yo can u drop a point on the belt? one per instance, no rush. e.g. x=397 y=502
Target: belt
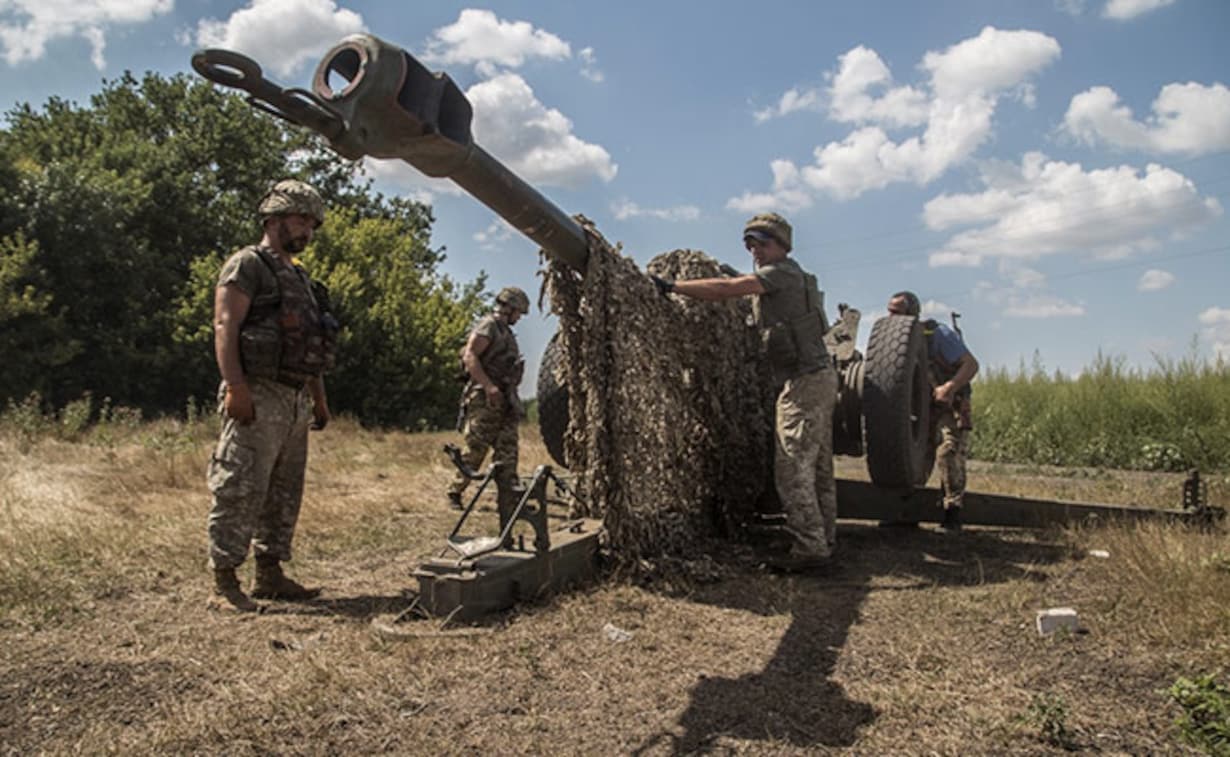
x=294 y=382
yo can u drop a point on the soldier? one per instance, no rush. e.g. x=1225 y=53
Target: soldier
x=490 y=405
x=953 y=366
x=273 y=340
x=789 y=310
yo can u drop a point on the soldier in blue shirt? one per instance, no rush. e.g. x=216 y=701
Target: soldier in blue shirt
x=953 y=366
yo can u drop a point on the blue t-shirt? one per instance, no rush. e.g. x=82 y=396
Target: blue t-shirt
x=947 y=344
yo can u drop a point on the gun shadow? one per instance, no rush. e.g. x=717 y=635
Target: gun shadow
x=794 y=699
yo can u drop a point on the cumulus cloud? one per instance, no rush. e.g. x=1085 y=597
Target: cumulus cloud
x=966 y=83
x=494 y=235
x=1047 y=207
x=535 y=141
x=1154 y=280
x=1187 y=118
x=861 y=71
x=1216 y=331
x=788 y=194
x=792 y=101
x=1122 y=10
x=26 y=26
x=281 y=34
x=479 y=37
x=626 y=209
x=589 y=65
x=1042 y=306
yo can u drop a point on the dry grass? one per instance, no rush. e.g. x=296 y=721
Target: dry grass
x=919 y=644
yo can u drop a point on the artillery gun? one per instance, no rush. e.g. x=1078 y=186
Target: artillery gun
x=372 y=98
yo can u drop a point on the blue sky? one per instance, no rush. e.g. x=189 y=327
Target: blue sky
x=1057 y=171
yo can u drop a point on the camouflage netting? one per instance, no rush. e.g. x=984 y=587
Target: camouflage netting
x=668 y=431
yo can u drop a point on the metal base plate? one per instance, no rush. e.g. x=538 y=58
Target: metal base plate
x=469 y=588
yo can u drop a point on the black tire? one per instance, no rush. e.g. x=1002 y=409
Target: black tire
x=553 y=401
x=897 y=404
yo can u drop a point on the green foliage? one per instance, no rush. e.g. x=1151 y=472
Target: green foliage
x=116 y=217
x=1205 y=720
x=1049 y=713
x=1171 y=418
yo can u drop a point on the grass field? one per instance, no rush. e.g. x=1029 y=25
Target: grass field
x=919 y=644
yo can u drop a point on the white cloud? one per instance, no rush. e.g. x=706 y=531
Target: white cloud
x=793 y=100
x=936 y=309
x=625 y=209
x=1187 y=118
x=1154 y=280
x=589 y=65
x=535 y=141
x=1071 y=7
x=1122 y=10
x=1216 y=322
x=1050 y=207
x=1042 y=306
x=494 y=235
x=788 y=194
x=966 y=83
x=409 y=180
x=281 y=34
x=26 y=26
x=480 y=38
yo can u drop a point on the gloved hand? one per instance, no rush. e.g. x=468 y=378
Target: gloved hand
x=665 y=286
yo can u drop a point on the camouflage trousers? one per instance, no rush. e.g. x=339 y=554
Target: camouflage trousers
x=256 y=476
x=488 y=428
x=803 y=461
x=950 y=455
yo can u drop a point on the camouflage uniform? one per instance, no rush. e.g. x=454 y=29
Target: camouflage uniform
x=952 y=422
x=485 y=427
x=256 y=476
x=256 y=471
x=791 y=317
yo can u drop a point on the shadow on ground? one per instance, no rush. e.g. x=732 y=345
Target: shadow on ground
x=794 y=699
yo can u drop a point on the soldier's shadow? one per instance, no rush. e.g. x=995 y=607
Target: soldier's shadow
x=362 y=607
x=794 y=699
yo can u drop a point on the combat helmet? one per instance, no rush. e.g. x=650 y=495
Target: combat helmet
x=513 y=297
x=292 y=196
x=773 y=225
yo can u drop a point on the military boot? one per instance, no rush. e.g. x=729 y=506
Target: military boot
x=952 y=520
x=272 y=583
x=228 y=594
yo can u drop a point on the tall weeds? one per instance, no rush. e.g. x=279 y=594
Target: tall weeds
x=1169 y=418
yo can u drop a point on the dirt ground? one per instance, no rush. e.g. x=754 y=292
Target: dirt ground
x=919 y=643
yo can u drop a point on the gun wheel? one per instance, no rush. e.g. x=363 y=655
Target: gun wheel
x=897 y=404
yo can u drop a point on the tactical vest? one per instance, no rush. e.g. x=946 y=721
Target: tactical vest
x=290 y=332
x=502 y=361
x=796 y=346
x=941 y=369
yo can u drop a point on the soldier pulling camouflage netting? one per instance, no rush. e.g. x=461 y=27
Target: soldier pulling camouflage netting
x=669 y=432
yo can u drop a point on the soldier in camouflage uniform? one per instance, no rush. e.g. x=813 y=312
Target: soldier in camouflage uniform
x=953 y=366
x=789 y=311
x=490 y=405
x=273 y=340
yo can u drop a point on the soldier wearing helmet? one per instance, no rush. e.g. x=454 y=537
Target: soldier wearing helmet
x=490 y=405
x=953 y=366
x=789 y=312
x=273 y=341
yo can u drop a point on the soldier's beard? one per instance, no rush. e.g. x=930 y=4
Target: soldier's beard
x=296 y=245
x=292 y=243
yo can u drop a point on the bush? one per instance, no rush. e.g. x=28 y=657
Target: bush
x=1205 y=722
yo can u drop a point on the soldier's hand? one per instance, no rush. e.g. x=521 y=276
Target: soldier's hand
x=495 y=398
x=238 y=403
x=665 y=286
x=943 y=393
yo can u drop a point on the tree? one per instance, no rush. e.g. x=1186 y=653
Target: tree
x=115 y=219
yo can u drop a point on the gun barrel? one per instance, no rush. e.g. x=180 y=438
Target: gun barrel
x=393 y=107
